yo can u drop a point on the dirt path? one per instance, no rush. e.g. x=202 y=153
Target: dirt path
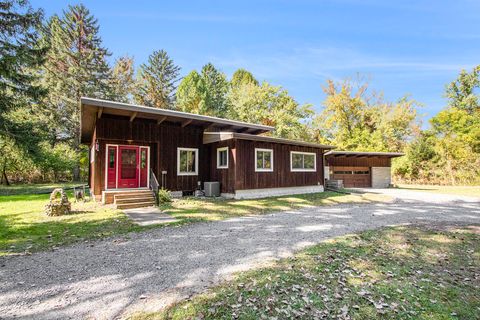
x=109 y=278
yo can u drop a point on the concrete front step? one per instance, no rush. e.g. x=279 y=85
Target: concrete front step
x=136 y=205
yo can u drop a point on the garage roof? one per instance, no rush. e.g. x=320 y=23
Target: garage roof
x=338 y=153
x=91 y=109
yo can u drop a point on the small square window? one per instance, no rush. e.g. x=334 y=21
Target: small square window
x=222 y=158
x=264 y=160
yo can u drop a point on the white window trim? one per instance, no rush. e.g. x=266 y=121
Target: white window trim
x=292 y=169
x=195 y=173
x=218 y=158
x=261 y=169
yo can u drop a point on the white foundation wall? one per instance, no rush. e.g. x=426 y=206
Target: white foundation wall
x=274 y=192
x=381 y=177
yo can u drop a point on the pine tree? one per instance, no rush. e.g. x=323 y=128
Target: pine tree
x=20 y=54
x=75 y=66
x=122 y=80
x=216 y=88
x=157 y=81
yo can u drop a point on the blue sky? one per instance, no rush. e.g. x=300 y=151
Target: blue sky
x=403 y=47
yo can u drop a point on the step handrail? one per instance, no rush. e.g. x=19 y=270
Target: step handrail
x=154 y=186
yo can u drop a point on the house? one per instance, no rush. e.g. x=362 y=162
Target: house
x=134 y=149
x=360 y=169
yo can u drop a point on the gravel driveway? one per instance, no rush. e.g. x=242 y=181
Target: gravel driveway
x=113 y=277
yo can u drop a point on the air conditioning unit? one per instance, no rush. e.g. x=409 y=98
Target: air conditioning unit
x=212 y=189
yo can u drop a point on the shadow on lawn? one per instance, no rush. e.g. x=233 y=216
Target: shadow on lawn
x=216 y=209
x=51 y=233
x=417 y=188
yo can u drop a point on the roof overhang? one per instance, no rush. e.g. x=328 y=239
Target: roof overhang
x=92 y=109
x=359 y=154
x=211 y=137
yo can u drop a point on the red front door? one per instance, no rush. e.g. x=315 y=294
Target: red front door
x=112 y=167
x=128 y=167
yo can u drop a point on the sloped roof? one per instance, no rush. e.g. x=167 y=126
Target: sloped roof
x=91 y=109
x=210 y=137
x=364 y=154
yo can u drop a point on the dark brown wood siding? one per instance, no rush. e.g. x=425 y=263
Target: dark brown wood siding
x=226 y=177
x=282 y=176
x=163 y=139
x=357 y=161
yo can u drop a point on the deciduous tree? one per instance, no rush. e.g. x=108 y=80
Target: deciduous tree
x=191 y=94
x=355 y=119
x=241 y=77
x=463 y=92
x=270 y=105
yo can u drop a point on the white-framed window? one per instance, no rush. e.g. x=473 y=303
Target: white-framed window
x=187 y=161
x=303 y=161
x=222 y=158
x=263 y=160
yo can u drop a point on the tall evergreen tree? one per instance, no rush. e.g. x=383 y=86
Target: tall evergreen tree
x=122 y=80
x=75 y=66
x=157 y=81
x=20 y=55
x=216 y=88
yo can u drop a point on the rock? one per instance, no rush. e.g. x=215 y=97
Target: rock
x=59 y=204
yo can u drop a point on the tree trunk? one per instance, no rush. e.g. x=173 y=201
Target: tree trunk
x=76 y=173
x=4 y=176
x=450 y=171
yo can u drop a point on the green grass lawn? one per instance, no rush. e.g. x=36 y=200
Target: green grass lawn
x=37 y=188
x=473 y=191
x=24 y=227
x=394 y=273
x=191 y=209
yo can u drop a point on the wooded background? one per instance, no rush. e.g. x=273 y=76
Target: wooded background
x=46 y=65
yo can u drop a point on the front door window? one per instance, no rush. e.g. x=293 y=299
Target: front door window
x=129 y=164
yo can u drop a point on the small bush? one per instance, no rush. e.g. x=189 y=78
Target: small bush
x=164 y=196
